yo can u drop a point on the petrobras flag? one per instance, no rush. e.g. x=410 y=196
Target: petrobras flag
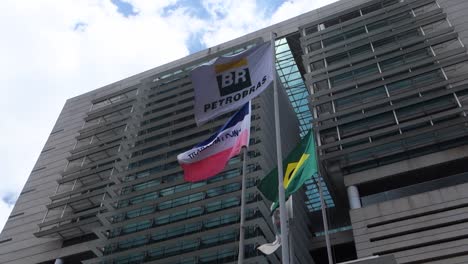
x=227 y=83
x=208 y=158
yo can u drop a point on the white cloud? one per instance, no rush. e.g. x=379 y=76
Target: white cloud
x=231 y=19
x=292 y=8
x=45 y=61
x=52 y=50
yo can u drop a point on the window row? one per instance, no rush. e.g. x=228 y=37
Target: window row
x=232 y=187
x=173 y=189
x=205 y=132
x=178 y=231
x=351 y=15
x=184 y=246
x=115 y=99
x=177 y=216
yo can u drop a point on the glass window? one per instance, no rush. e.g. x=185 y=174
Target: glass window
x=314 y=46
x=429 y=107
x=360 y=98
x=193 y=227
x=367 y=124
x=333 y=40
x=331 y=22
x=325 y=108
x=386 y=42
x=156 y=252
x=134 y=258
x=337 y=58
x=311 y=30
x=386 y=3
x=215 y=206
x=408 y=34
x=196 y=197
x=341 y=78
x=424 y=9
x=359 y=50
x=355 y=32
x=427 y=77
x=392 y=63
x=365 y=71
x=355 y=143
x=317 y=65
x=372 y=8
x=350 y=16
x=399 y=85
x=399 y=17
x=190 y=245
x=377 y=25
x=417 y=55
x=134 y=227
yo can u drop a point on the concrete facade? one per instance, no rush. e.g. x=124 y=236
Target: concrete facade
x=424 y=228
x=388 y=91
x=119 y=158
x=17 y=241
x=388 y=94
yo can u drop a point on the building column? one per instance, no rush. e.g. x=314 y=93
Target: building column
x=58 y=261
x=353 y=197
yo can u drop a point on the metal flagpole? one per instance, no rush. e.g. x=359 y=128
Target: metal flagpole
x=281 y=199
x=240 y=259
x=291 y=227
x=325 y=221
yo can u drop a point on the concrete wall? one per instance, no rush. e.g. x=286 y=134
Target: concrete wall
x=430 y=227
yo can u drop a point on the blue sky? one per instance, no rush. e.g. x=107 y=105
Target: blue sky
x=58 y=49
x=124 y=8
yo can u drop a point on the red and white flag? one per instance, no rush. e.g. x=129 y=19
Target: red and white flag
x=209 y=158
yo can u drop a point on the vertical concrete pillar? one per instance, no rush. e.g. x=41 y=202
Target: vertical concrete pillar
x=353 y=197
x=58 y=261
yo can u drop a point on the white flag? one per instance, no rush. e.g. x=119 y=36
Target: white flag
x=227 y=83
x=270 y=248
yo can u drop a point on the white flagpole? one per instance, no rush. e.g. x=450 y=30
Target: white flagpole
x=240 y=258
x=291 y=226
x=281 y=195
x=325 y=221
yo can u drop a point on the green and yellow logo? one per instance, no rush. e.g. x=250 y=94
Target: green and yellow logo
x=291 y=170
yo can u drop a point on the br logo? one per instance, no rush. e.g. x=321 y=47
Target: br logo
x=233 y=76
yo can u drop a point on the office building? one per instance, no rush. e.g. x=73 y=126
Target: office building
x=108 y=188
x=382 y=82
x=388 y=82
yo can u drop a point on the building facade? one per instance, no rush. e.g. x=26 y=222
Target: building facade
x=388 y=92
x=383 y=83
x=117 y=193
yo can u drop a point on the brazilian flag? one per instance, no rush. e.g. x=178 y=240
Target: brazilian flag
x=298 y=167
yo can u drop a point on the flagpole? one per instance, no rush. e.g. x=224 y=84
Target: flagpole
x=325 y=221
x=281 y=195
x=240 y=259
x=291 y=227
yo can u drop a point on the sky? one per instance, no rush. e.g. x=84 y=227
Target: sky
x=53 y=50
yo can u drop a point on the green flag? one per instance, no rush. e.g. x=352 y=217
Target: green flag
x=298 y=167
